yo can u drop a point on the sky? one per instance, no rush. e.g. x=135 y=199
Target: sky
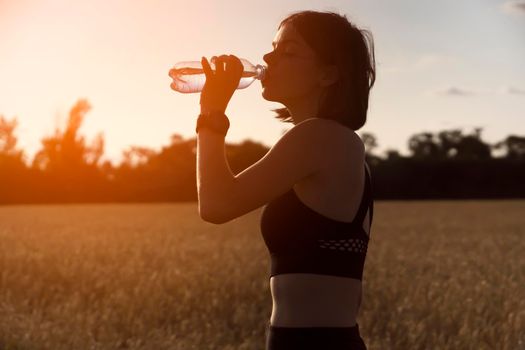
x=441 y=65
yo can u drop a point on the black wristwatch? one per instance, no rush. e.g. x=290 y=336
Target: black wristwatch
x=214 y=120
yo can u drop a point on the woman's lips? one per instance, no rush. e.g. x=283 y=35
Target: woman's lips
x=265 y=80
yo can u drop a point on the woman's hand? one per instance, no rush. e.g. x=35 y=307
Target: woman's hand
x=221 y=84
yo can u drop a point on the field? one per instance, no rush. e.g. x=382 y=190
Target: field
x=438 y=275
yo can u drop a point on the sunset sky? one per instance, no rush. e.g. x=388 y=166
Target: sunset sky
x=440 y=65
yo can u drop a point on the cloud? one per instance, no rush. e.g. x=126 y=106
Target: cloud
x=514 y=7
x=454 y=91
x=511 y=90
x=464 y=92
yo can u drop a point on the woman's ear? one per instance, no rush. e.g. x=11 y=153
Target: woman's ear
x=329 y=75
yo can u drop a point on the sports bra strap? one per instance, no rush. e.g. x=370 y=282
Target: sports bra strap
x=361 y=213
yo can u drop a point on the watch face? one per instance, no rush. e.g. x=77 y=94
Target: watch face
x=216 y=120
x=219 y=118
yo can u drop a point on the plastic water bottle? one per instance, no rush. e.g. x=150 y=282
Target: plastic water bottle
x=189 y=76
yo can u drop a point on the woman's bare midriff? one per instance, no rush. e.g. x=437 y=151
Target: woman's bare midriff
x=311 y=300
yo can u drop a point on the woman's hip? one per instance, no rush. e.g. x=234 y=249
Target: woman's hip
x=306 y=338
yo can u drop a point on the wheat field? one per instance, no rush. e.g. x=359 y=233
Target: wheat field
x=438 y=275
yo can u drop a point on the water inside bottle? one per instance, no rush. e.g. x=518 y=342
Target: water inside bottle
x=189 y=79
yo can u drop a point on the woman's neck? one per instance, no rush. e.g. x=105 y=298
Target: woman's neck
x=304 y=108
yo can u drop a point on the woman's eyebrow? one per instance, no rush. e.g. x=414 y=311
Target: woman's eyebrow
x=286 y=41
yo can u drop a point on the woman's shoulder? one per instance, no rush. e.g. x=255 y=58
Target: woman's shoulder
x=338 y=134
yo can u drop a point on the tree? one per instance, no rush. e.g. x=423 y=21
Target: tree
x=13 y=170
x=425 y=146
x=473 y=148
x=136 y=156
x=449 y=141
x=392 y=155
x=68 y=167
x=369 y=141
x=8 y=140
x=514 y=146
x=67 y=150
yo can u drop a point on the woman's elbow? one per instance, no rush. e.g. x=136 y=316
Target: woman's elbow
x=211 y=216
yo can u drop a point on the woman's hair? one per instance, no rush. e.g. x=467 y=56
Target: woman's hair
x=337 y=41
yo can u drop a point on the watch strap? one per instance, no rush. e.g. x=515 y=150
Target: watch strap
x=216 y=121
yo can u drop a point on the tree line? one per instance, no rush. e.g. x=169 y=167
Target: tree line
x=67 y=169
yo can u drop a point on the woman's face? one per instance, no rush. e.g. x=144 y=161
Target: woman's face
x=293 y=68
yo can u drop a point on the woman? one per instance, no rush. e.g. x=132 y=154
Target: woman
x=314 y=182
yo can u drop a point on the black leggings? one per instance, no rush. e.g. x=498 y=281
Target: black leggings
x=310 y=338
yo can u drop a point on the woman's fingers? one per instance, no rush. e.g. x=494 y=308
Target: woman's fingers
x=214 y=62
x=219 y=64
x=236 y=64
x=205 y=66
x=222 y=63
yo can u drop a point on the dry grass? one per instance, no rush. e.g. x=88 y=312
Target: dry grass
x=439 y=275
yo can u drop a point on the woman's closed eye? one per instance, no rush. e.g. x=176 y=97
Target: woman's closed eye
x=284 y=52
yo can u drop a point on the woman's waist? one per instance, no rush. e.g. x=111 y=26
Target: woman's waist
x=314 y=300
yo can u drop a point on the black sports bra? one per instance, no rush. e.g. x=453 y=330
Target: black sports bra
x=301 y=240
